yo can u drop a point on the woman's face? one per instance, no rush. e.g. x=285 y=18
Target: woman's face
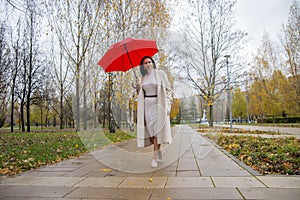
x=148 y=65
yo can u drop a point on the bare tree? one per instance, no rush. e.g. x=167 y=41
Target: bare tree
x=15 y=64
x=76 y=25
x=35 y=64
x=209 y=34
x=4 y=66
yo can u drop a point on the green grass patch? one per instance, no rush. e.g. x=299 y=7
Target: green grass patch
x=20 y=152
x=266 y=155
x=119 y=136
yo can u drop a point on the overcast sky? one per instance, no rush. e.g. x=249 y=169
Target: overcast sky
x=257 y=16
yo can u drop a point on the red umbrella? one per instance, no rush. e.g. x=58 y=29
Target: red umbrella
x=127 y=54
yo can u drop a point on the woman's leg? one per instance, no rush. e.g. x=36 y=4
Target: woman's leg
x=156 y=147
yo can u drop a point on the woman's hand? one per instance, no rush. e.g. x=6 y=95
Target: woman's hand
x=137 y=85
x=138 y=82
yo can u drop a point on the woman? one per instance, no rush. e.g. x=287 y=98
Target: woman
x=154 y=104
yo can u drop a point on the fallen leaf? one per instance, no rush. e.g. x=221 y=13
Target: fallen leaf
x=105 y=170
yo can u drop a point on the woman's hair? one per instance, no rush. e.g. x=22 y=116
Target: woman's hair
x=142 y=68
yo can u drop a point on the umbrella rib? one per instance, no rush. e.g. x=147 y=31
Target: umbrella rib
x=129 y=59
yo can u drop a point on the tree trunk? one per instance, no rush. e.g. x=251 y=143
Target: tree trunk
x=30 y=73
x=61 y=123
x=61 y=115
x=13 y=91
x=211 y=116
x=84 y=99
x=77 y=100
x=12 y=107
x=22 y=116
x=95 y=109
x=42 y=126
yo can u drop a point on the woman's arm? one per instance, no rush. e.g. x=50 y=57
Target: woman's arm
x=138 y=85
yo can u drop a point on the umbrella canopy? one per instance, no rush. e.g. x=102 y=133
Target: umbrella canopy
x=127 y=54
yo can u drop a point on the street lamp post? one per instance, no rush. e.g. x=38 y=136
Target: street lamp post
x=229 y=95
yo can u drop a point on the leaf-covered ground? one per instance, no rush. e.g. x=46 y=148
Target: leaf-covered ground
x=20 y=152
x=266 y=155
x=236 y=130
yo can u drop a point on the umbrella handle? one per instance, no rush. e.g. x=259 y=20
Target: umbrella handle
x=134 y=73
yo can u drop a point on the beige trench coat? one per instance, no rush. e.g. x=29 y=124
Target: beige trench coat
x=164 y=95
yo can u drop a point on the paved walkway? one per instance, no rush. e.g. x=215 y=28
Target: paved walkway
x=193 y=168
x=278 y=129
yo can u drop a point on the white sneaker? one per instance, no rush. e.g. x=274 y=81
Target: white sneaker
x=160 y=156
x=154 y=163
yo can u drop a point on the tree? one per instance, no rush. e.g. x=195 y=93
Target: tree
x=255 y=99
x=4 y=67
x=175 y=111
x=77 y=25
x=291 y=44
x=15 y=65
x=239 y=105
x=208 y=37
x=184 y=110
x=193 y=111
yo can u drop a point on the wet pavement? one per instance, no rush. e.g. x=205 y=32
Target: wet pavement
x=193 y=168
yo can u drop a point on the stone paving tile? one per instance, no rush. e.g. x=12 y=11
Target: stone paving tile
x=271 y=193
x=215 y=160
x=58 y=181
x=98 y=173
x=101 y=182
x=172 y=167
x=36 y=191
x=195 y=193
x=163 y=173
x=225 y=172
x=20 y=180
x=68 y=199
x=58 y=169
x=83 y=171
x=3 y=187
x=237 y=182
x=188 y=173
x=144 y=182
x=187 y=164
x=202 y=151
x=281 y=181
x=44 y=174
x=124 y=174
x=111 y=193
x=220 y=165
x=186 y=182
x=20 y=198
x=187 y=154
x=72 y=163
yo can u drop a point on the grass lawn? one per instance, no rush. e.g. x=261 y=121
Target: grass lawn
x=20 y=152
x=266 y=155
